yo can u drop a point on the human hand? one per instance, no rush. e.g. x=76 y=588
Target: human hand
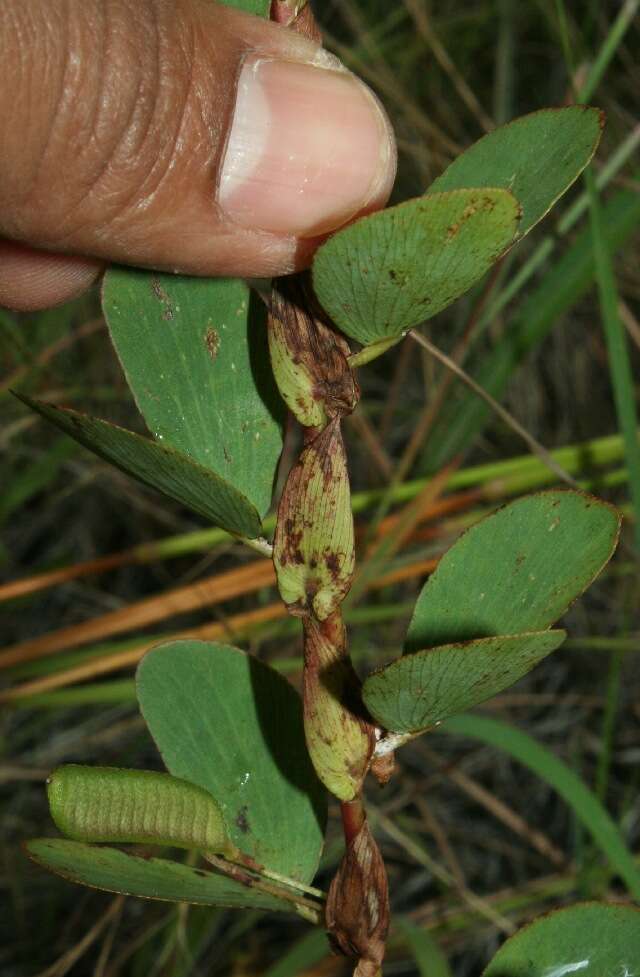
x=179 y=135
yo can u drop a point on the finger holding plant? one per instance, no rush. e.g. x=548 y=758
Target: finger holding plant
x=249 y=761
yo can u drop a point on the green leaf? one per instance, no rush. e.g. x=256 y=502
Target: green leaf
x=536 y=157
x=568 y=278
x=260 y=8
x=419 y=690
x=142 y=806
x=194 y=352
x=515 y=571
x=586 y=806
x=307 y=951
x=229 y=723
x=390 y=271
x=147 y=878
x=589 y=939
x=429 y=957
x=170 y=472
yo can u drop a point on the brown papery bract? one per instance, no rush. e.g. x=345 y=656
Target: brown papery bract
x=357 y=911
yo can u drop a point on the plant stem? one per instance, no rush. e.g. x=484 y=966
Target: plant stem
x=353 y=817
x=306 y=908
x=369 y=353
x=259 y=544
x=618 y=351
x=248 y=862
x=538 y=449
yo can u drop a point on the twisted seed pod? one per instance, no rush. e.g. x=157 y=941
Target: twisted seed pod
x=110 y=804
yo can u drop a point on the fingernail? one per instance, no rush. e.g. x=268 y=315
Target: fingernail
x=308 y=148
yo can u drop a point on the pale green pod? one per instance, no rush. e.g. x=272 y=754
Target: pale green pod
x=313 y=546
x=293 y=377
x=340 y=743
x=308 y=357
x=140 y=806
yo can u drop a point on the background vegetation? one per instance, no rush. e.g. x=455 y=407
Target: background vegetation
x=475 y=841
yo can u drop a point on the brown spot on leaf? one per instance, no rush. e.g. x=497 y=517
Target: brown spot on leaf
x=212 y=342
x=162 y=295
x=242 y=821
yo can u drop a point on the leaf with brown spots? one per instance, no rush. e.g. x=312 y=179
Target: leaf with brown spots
x=537 y=157
x=482 y=619
x=313 y=548
x=389 y=271
x=420 y=690
x=194 y=353
x=517 y=570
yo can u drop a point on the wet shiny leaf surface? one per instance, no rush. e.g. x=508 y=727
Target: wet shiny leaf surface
x=588 y=940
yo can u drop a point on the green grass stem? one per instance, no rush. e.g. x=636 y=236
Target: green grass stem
x=583 y=802
x=608 y=48
x=618 y=351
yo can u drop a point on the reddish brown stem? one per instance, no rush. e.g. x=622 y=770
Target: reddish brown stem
x=353 y=817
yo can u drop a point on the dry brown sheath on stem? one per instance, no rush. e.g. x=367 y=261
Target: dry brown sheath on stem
x=357 y=912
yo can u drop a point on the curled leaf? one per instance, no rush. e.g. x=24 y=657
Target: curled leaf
x=110 y=804
x=340 y=742
x=313 y=547
x=357 y=912
x=309 y=359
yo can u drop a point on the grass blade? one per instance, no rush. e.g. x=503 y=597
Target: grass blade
x=617 y=348
x=585 y=805
x=429 y=957
x=463 y=417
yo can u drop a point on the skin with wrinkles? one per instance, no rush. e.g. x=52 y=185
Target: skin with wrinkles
x=114 y=128
x=133 y=170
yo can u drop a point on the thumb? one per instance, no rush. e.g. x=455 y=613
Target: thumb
x=180 y=135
